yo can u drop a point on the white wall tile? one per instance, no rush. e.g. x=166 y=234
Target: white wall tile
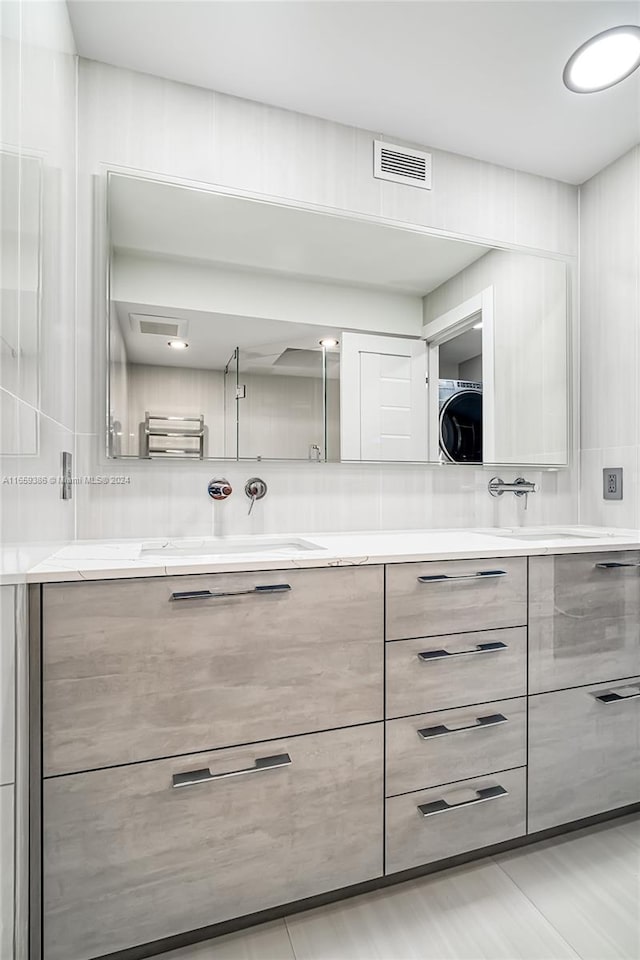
x=468 y=196
x=610 y=338
x=48 y=125
x=170 y=499
x=39 y=90
x=18 y=427
x=31 y=506
x=276 y=152
x=610 y=304
x=555 y=230
x=10 y=73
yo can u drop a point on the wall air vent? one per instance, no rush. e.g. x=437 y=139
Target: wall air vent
x=401 y=164
x=170 y=327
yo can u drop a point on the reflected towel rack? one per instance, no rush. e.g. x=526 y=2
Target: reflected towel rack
x=169 y=436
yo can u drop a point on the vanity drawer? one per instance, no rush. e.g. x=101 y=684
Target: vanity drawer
x=436 y=748
x=452 y=596
x=129 y=858
x=584 y=619
x=436 y=673
x=584 y=752
x=458 y=818
x=130 y=674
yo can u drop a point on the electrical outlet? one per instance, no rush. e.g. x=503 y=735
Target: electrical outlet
x=612 y=483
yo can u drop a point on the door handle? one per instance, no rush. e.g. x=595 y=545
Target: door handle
x=211 y=595
x=194 y=777
x=480 y=575
x=427 y=655
x=612 y=697
x=493 y=720
x=441 y=806
x=614 y=564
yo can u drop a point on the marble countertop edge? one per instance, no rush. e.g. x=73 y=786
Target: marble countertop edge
x=117 y=559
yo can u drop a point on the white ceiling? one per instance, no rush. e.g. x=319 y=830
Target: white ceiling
x=168 y=220
x=213 y=337
x=482 y=79
x=463 y=347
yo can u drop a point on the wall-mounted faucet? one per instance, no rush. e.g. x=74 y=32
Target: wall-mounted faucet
x=520 y=486
x=255 y=489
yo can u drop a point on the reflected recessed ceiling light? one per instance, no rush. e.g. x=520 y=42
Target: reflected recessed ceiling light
x=329 y=342
x=178 y=344
x=477 y=326
x=604 y=60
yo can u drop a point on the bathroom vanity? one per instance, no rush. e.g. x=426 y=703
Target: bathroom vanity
x=219 y=744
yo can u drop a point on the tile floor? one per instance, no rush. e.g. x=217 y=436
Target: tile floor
x=576 y=896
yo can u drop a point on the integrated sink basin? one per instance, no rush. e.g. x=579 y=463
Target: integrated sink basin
x=525 y=534
x=217 y=547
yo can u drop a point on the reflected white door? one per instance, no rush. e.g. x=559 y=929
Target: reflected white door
x=383 y=398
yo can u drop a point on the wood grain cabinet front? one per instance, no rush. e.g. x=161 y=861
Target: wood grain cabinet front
x=455 y=596
x=436 y=748
x=457 y=818
x=142 y=669
x=138 y=853
x=584 y=752
x=584 y=619
x=435 y=673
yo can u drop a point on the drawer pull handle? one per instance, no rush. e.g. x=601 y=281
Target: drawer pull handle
x=614 y=564
x=612 y=697
x=210 y=595
x=480 y=575
x=427 y=655
x=428 y=733
x=441 y=806
x=194 y=777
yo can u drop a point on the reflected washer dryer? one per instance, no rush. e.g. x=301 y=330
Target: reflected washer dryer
x=461 y=421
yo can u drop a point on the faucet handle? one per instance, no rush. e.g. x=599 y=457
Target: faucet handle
x=527 y=489
x=255 y=489
x=219 y=489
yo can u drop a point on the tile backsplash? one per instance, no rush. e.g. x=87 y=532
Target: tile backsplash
x=154 y=499
x=610 y=340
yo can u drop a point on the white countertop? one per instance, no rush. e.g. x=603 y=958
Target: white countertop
x=98 y=560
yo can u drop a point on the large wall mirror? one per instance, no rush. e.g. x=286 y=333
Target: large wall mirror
x=242 y=329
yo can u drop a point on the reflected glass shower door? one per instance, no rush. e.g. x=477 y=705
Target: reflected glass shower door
x=232 y=393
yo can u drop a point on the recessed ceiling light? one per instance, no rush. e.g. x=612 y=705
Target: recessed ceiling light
x=604 y=60
x=329 y=342
x=178 y=344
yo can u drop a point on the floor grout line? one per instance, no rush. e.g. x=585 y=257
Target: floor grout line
x=537 y=909
x=293 y=949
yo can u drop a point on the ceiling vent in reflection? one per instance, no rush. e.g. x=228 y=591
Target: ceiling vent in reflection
x=158 y=326
x=299 y=362
x=300 y=359
x=401 y=164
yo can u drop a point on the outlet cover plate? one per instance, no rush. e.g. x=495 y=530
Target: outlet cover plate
x=612 y=483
